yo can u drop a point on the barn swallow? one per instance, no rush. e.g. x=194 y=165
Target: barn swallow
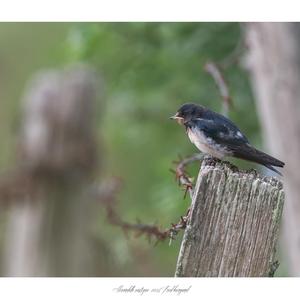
x=216 y=135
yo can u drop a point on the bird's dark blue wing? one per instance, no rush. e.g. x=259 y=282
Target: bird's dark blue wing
x=221 y=131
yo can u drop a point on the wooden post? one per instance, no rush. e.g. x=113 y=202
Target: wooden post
x=273 y=59
x=234 y=224
x=47 y=233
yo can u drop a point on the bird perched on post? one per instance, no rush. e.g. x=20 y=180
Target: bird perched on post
x=214 y=134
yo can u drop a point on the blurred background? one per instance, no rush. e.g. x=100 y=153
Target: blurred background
x=145 y=71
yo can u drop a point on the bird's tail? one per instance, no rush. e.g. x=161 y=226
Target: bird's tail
x=252 y=154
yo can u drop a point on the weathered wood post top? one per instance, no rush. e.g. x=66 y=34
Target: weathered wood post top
x=233 y=225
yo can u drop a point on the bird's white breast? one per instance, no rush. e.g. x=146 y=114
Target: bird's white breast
x=205 y=144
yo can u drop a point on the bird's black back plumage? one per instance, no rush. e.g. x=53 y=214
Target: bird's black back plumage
x=224 y=134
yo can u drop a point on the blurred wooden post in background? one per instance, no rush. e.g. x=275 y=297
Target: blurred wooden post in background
x=233 y=226
x=47 y=231
x=273 y=59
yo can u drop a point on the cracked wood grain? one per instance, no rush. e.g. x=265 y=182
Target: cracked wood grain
x=234 y=224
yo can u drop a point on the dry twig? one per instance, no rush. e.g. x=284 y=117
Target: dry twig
x=215 y=71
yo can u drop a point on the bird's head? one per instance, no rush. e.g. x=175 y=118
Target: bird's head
x=188 y=112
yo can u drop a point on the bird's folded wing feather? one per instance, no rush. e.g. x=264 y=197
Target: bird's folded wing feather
x=224 y=133
x=230 y=137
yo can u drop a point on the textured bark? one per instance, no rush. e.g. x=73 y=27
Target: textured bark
x=274 y=64
x=47 y=230
x=234 y=224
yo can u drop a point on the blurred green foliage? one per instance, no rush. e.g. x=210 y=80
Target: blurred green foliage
x=149 y=70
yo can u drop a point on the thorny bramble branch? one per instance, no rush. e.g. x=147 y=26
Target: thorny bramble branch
x=107 y=194
x=181 y=175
